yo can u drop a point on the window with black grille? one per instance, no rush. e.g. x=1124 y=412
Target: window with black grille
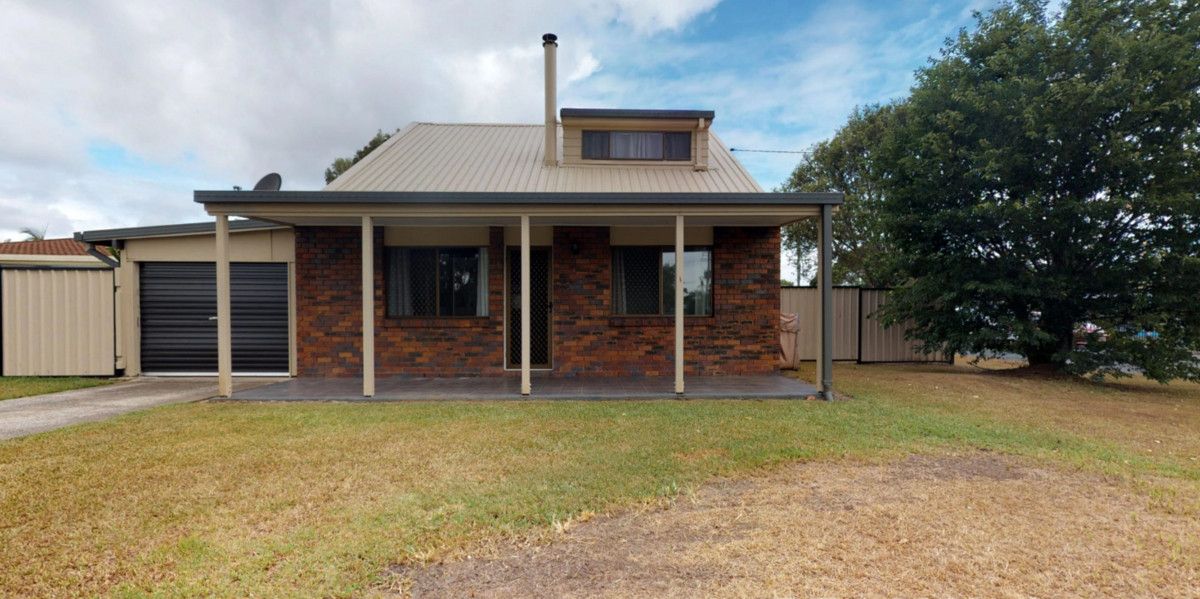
x=644 y=281
x=637 y=145
x=437 y=281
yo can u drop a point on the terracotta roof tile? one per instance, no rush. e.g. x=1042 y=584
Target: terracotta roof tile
x=44 y=247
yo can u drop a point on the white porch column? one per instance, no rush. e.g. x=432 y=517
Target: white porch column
x=368 y=306
x=825 y=293
x=679 y=304
x=526 y=386
x=224 y=314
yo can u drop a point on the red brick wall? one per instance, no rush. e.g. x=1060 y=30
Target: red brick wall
x=740 y=338
x=329 y=315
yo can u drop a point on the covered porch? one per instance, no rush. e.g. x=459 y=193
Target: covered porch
x=775 y=386
x=520 y=375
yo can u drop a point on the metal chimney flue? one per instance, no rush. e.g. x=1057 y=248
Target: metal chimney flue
x=550 y=46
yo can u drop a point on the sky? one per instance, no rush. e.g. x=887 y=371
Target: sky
x=113 y=112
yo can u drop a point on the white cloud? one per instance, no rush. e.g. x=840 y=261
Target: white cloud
x=215 y=94
x=230 y=90
x=649 y=16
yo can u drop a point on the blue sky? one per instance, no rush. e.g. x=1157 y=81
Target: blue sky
x=114 y=111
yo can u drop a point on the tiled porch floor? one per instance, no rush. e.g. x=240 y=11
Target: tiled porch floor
x=488 y=388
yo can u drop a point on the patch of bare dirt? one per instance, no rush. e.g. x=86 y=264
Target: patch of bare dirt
x=967 y=525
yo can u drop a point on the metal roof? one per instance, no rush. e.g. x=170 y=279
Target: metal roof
x=431 y=157
x=515 y=198
x=200 y=228
x=623 y=113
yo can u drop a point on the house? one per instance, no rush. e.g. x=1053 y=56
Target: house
x=500 y=250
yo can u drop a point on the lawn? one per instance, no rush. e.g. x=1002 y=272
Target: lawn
x=24 y=386
x=231 y=499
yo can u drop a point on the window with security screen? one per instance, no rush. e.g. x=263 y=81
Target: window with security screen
x=644 y=281
x=437 y=281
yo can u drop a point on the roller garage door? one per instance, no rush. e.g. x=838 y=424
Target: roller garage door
x=178 y=317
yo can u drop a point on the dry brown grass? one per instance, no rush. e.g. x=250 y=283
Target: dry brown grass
x=318 y=499
x=969 y=525
x=1154 y=420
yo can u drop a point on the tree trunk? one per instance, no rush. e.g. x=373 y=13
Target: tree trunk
x=1052 y=352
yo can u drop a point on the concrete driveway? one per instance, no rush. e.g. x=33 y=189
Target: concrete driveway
x=28 y=415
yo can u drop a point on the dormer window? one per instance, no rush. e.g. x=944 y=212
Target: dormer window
x=637 y=145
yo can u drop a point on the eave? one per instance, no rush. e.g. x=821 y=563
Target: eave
x=505 y=208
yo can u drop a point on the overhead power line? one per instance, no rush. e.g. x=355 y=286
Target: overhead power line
x=769 y=151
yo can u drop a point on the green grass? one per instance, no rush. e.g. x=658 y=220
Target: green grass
x=235 y=499
x=24 y=386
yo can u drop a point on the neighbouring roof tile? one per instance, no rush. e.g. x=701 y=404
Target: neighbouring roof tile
x=44 y=247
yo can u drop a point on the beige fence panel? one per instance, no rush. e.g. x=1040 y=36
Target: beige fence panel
x=876 y=343
x=802 y=301
x=57 y=322
x=887 y=344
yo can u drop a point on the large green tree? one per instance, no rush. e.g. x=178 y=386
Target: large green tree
x=341 y=165
x=847 y=163
x=1044 y=177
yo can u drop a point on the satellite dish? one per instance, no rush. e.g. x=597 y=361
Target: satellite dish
x=271 y=182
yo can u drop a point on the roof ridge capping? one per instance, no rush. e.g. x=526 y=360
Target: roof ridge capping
x=633 y=113
x=474 y=124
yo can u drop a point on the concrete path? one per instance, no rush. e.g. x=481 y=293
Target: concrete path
x=28 y=415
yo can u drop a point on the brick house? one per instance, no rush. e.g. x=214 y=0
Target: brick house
x=556 y=249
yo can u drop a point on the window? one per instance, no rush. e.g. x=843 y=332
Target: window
x=644 y=281
x=437 y=281
x=637 y=145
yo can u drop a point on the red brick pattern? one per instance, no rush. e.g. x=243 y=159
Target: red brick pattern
x=329 y=315
x=740 y=338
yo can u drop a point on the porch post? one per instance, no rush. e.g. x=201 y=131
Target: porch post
x=368 y=306
x=679 y=304
x=224 y=326
x=526 y=386
x=825 y=282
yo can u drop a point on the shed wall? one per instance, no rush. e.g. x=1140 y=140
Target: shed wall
x=57 y=322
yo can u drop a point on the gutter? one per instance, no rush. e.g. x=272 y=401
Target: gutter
x=97 y=254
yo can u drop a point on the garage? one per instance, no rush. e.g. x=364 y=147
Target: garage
x=178 y=307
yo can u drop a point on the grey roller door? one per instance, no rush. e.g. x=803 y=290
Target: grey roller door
x=178 y=310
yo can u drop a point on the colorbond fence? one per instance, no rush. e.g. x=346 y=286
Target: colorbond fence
x=857 y=333
x=57 y=321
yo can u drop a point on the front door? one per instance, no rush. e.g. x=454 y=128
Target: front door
x=539 y=307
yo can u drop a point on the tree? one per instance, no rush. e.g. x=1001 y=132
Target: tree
x=32 y=234
x=846 y=163
x=341 y=165
x=1044 y=177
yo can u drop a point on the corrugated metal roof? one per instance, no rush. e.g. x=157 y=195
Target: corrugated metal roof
x=44 y=247
x=508 y=158
x=200 y=228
